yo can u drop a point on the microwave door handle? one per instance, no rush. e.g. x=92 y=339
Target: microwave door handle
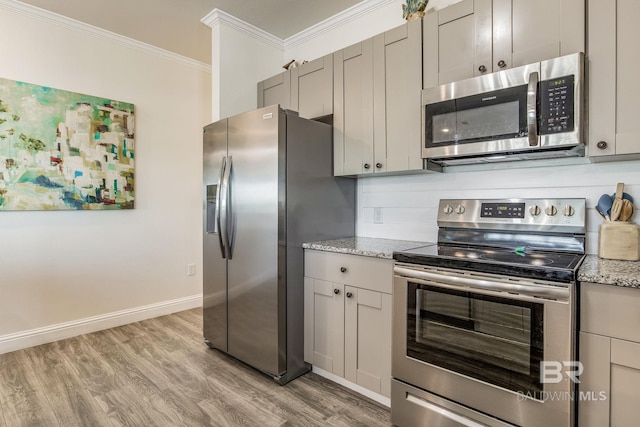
x=532 y=113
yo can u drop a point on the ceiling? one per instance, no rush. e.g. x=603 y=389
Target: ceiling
x=175 y=25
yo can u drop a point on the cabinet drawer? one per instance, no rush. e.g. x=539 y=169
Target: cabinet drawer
x=612 y=311
x=375 y=274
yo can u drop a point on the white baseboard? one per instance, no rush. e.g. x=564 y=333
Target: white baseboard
x=355 y=387
x=60 y=331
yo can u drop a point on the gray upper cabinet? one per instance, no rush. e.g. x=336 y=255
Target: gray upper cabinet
x=275 y=90
x=397 y=81
x=474 y=37
x=312 y=88
x=613 y=61
x=376 y=97
x=353 y=109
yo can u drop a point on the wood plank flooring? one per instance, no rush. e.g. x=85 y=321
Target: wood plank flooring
x=159 y=372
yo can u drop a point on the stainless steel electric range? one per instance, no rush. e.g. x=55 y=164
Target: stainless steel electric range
x=484 y=322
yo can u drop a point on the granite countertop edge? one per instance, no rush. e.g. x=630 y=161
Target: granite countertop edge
x=610 y=272
x=365 y=246
x=593 y=270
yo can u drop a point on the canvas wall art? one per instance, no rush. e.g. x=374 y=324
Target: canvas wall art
x=64 y=150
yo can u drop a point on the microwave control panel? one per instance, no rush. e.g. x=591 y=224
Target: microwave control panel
x=556 y=105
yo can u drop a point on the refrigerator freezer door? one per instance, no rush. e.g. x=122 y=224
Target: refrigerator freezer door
x=256 y=268
x=214 y=265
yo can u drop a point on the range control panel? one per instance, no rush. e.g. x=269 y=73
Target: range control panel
x=567 y=215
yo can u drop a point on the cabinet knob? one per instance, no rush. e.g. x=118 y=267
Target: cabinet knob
x=502 y=64
x=343 y=269
x=602 y=145
x=379 y=165
x=482 y=68
x=366 y=165
x=336 y=291
x=349 y=294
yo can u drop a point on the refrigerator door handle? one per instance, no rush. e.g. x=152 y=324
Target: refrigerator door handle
x=218 y=227
x=230 y=228
x=225 y=209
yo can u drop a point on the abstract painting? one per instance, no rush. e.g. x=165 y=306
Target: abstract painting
x=64 y=150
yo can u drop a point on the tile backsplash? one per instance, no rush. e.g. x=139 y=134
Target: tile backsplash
x=405 y=206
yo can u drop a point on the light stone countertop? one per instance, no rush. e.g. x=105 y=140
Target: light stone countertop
x=610 y=272
x=593 y=269
x=365 y=246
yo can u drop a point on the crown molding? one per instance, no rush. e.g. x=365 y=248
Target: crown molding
x=218 y=17
x=336 y=21
x=70 y=23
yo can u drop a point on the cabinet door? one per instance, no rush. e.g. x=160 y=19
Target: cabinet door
x=368 y=339
x=540 y=30
x=275 y=90
x=397 y=79
x=625 y=382
x=457 y=42
x=324 y=325
x=595 y=356
x=613 y=84
x=353 y=109
x=312 y=88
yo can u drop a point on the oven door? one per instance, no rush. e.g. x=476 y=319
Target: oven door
x=479 y=341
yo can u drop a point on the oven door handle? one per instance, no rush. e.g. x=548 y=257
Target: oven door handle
x=484 y=286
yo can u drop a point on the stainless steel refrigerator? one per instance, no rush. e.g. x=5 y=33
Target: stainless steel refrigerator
x=268 y=187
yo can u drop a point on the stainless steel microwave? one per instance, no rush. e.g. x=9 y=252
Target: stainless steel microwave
x=527 y=112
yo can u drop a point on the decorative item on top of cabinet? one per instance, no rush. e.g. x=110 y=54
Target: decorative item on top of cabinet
x=414 y=9
x=475 y=37
x=614 y=128
x=377 y=119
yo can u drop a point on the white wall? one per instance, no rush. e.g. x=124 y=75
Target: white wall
x=60 y=267
x=242 y=55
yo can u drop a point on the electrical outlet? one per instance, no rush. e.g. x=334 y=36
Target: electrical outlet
x=377 y=215
x=191 y=269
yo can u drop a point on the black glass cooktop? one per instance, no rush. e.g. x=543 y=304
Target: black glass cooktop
x=514 y=261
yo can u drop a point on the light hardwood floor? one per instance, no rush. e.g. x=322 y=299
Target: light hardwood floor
x=159 y=372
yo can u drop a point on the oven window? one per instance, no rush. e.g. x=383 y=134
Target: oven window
x=496 y=340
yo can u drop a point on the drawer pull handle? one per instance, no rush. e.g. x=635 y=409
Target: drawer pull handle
x=343 y=269
x=336 y=291
x=349 y=294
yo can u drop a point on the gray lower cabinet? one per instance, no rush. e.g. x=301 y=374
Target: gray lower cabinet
x=610 y=355
x=275 y=90
x=377 y=119
x=348 y=317
x=614 y=58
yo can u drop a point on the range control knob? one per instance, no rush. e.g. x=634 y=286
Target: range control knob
x=535 y=210
x=460 y=209
x=448 y=209
x=551 y=210
x=568 y=210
